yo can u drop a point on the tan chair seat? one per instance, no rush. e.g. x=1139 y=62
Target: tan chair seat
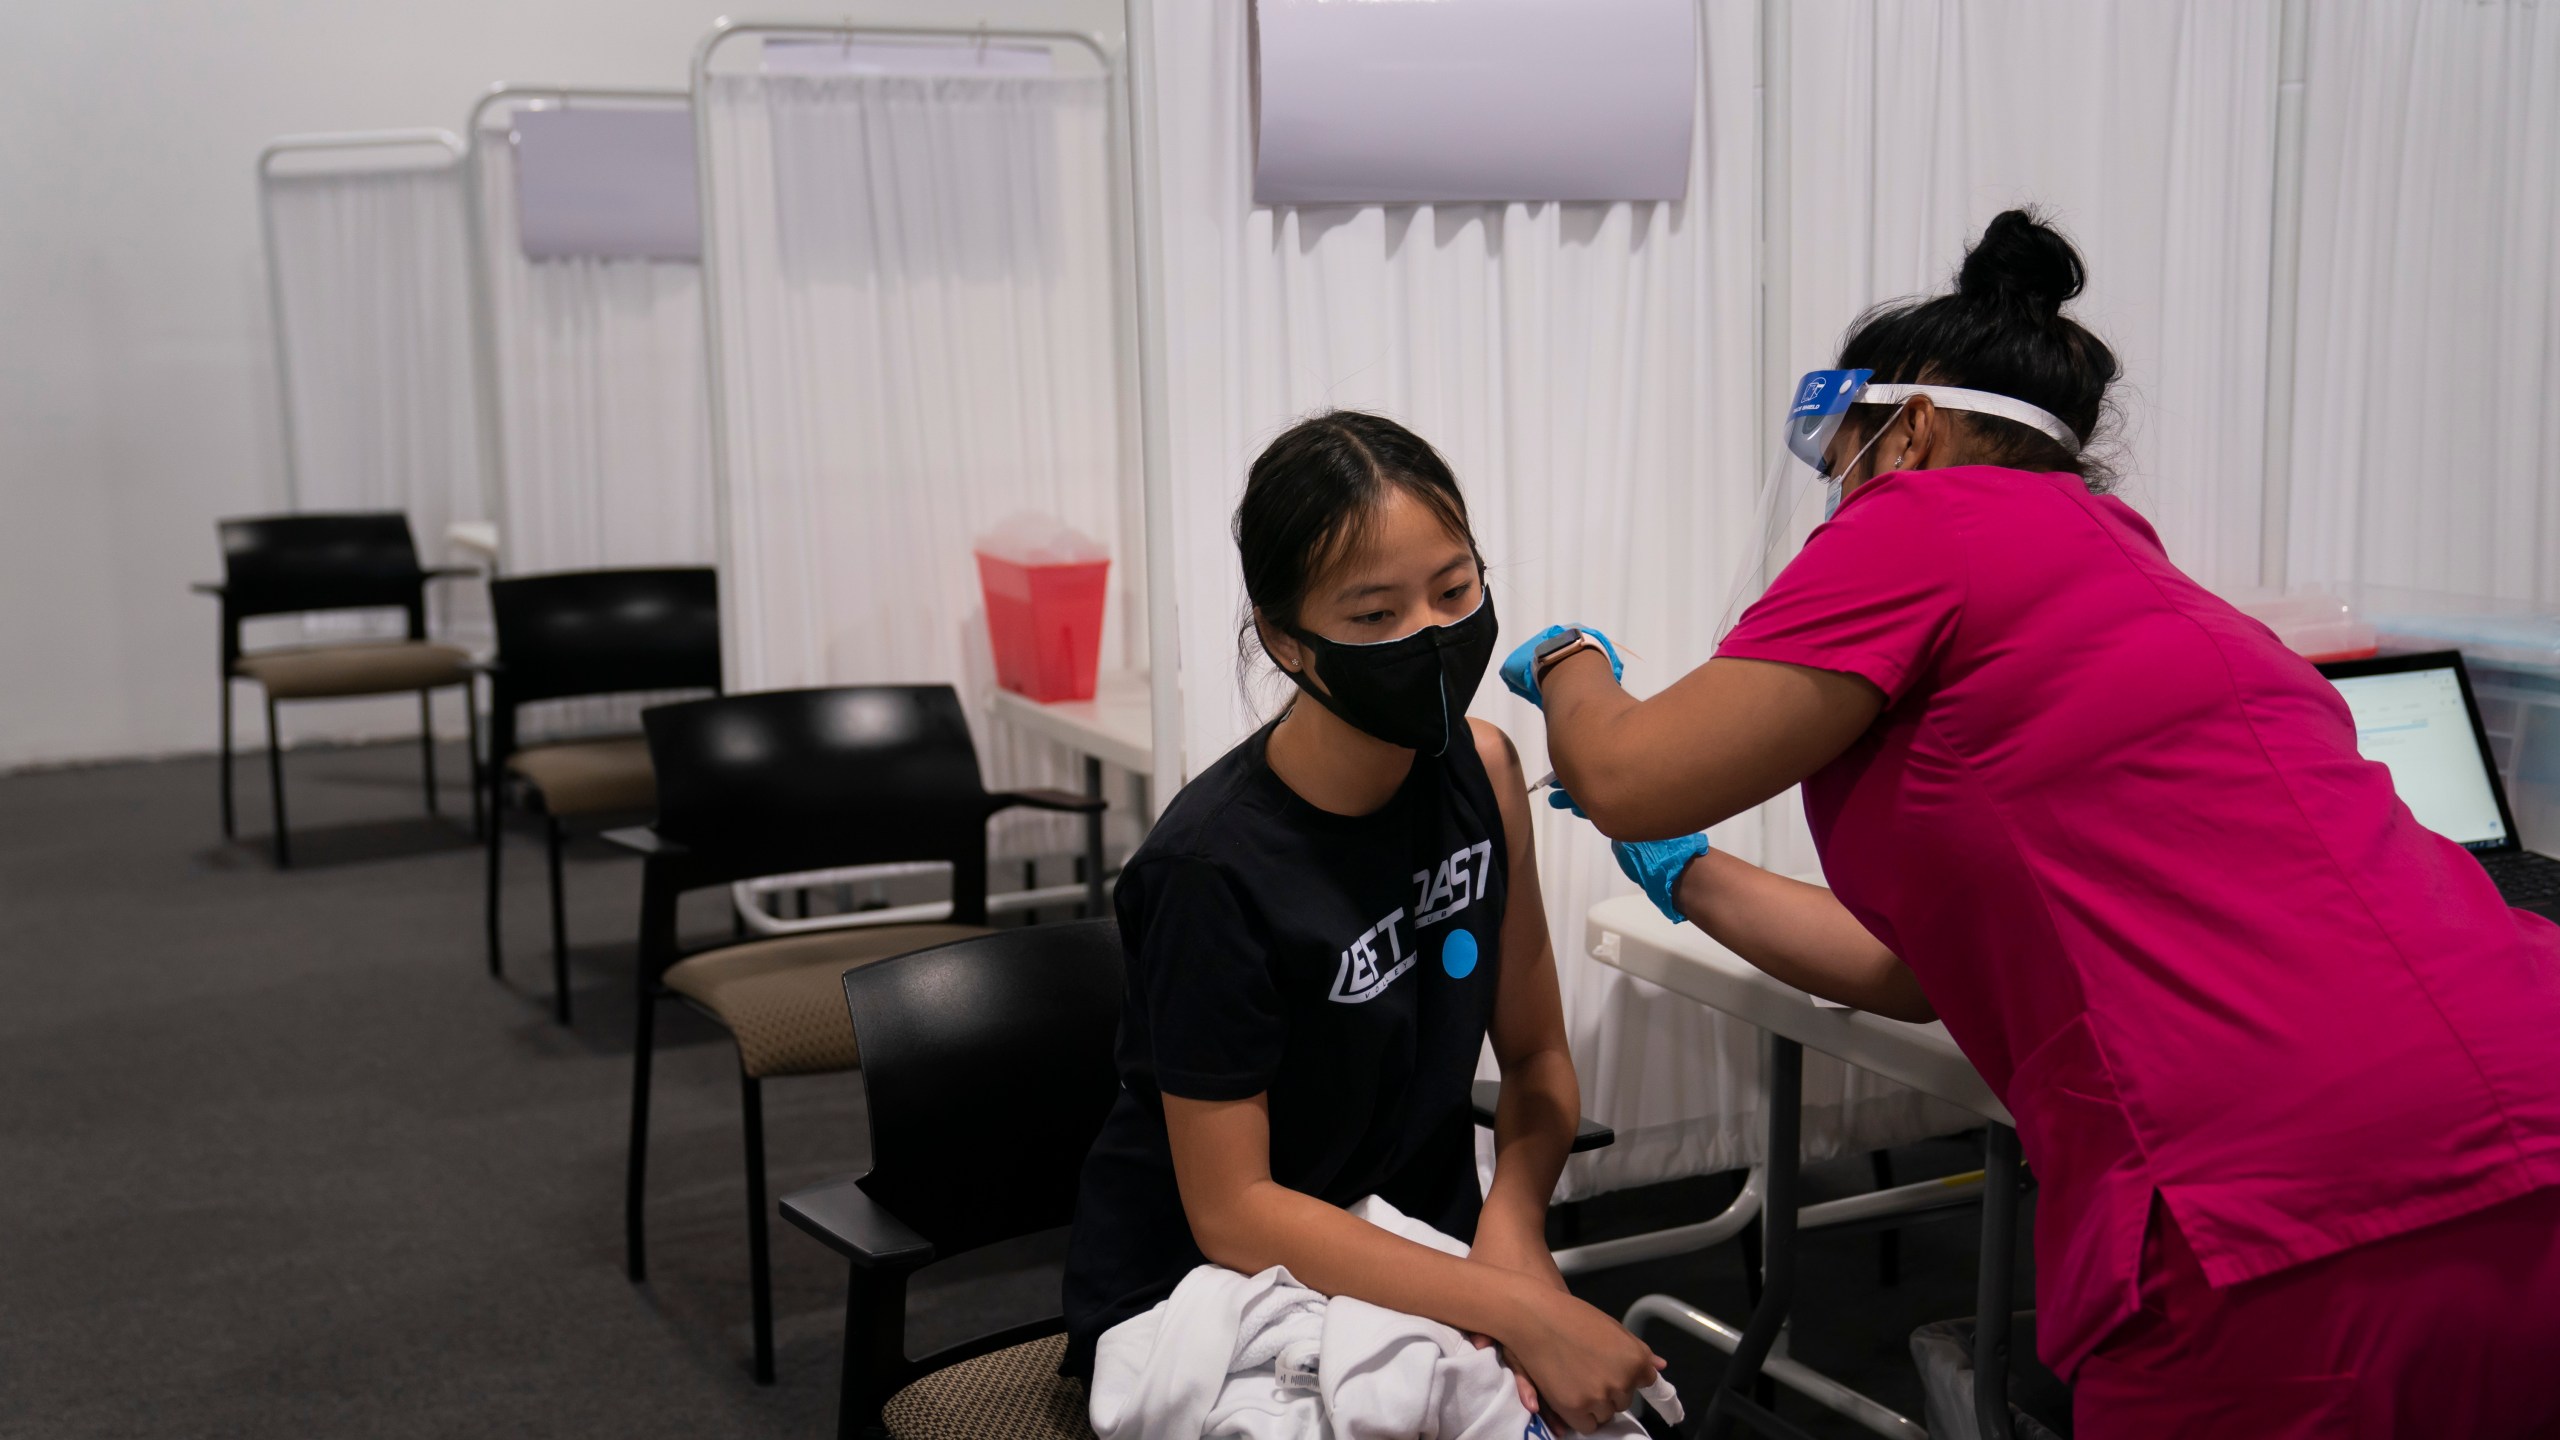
x=590 y=777
x=1014 y=1394
x=373 y=667
x=784 y=999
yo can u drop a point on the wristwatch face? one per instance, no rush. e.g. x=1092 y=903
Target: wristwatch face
x=1554 y=643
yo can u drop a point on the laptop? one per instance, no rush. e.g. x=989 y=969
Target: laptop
x=2415 y=714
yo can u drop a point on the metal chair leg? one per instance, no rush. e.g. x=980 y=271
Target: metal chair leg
x=275 y=786
x=230 y=817
x=1888 y=1242
x=634 y=1261
x=427 y=743
x=1764 y=1390
x=496 y=868
x=559 y=927
x=759 y=1256
x=1747 y=1249
x=1096 y=904
x=471 y=749
x=2000 y=1160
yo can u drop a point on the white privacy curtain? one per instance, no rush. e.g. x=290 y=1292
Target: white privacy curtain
x=917 y=297
x=372 y=292
x=2145 y=128
x=603 y=440
x=2426 y=440
x=1588 y=370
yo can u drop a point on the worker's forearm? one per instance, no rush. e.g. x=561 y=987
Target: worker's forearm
x=1533 y=1131
x=1800 y=934
x=1583 y=700
x=1335 y=1252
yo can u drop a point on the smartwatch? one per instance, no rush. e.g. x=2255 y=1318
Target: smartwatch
x=1553 y=649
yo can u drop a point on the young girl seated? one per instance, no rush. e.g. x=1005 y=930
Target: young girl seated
x=1322 y=930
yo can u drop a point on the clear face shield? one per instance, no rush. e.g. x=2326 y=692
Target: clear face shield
x=1805 y=480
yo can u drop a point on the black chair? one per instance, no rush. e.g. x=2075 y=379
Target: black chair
x=586 y=632
x=987 y=1070
x=293 y=564
x=779 y=783
x=1485 y=1098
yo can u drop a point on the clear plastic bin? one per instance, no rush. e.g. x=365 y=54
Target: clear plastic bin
x=2521 y=711
x=2312 y=622
x=2512 y=649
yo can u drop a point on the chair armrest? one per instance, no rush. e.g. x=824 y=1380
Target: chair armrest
x=645 y=840
x=1064 y=800
x=1588 y=1135
x=841 y=1217
x=214 y=588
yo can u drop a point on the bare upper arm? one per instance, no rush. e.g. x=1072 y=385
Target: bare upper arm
x=1511 y=797
x=1510 y=783
x=1528 y=1009
x=1221 y=1149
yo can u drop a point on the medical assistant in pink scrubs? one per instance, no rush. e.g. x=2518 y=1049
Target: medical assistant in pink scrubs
x=2286 y=1067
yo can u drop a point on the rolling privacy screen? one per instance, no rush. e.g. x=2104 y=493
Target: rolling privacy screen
x=916 y=290
x=369 y=275
x=1587 y=370
x=601 y=448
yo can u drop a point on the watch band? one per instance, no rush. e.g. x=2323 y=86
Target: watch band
x=1549 y=657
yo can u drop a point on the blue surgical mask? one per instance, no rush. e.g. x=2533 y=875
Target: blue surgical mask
x=1835 y=482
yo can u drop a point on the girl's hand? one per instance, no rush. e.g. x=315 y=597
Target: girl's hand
x=1519 y=1377
x=1522 y=1252
x=1586 y=1366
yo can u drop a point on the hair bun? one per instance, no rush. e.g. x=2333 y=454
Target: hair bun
x=2023 y=261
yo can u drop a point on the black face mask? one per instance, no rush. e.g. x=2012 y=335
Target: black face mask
x=1412 y=692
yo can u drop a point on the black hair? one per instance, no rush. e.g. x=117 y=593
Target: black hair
x=1313 y=494
x=2001 y=330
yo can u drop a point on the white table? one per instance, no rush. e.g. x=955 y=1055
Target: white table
x=478 y=536
x=1628 y=933
x=1115 y=727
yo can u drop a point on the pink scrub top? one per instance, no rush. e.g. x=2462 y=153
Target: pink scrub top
x=2122 y=836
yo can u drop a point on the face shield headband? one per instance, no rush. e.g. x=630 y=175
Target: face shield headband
x=1785 y=514
x=1823 y=398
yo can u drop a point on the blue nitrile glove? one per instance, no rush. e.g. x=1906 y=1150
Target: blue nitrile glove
x=1519 y=671
x=1656 y=865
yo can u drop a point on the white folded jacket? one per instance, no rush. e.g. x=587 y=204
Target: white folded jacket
x=1261 y=1357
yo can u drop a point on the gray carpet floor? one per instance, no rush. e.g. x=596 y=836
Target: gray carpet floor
x=278 y=1158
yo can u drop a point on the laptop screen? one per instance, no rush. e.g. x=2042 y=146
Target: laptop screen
x=2415 y=722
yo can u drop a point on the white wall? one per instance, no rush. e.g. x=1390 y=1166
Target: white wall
x=137 y=396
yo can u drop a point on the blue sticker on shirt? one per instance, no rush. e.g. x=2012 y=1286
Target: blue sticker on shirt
x=1458 y=954
x=1537 y=1430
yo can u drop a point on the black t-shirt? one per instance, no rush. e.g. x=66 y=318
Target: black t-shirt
x=1345 y=965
